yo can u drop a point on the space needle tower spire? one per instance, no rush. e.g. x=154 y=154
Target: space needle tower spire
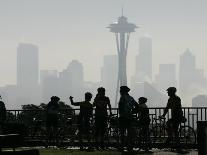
x=122 y=29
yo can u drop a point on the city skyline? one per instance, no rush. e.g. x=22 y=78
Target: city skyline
x=63 y=32
x=70 y=80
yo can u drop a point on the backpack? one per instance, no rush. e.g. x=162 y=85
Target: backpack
x=128 y=107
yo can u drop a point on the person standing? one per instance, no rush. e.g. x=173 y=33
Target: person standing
x=2 y=114
x=174 y=103
x=86 y=112
x=144 y=122
x=52 y=110
x=126 y=106
x=101 y=102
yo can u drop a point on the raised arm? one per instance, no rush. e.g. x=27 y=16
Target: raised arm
x=74 y=103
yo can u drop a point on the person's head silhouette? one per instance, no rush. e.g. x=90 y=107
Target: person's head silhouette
x=55 y=98
x=142 y=100
x=101 y=91
x=171 y=91
x=88 y=96
x=124 y=90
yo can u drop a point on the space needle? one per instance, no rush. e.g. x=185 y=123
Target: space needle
x=122 y=29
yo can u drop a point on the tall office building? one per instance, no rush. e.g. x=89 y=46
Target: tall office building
x=166 y=77
x=27 y=65
x=109 y=74
x=76 y=70
x=144 y=60
x=27 y=74
x=154 y=97
x=49 y=84
x=192 y=80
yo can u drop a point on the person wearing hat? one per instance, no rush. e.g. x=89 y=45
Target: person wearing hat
x=125 y=108
x=52 y=110
x=174 y=103
x=85 y=114
x=101 y=102
x=144 y=122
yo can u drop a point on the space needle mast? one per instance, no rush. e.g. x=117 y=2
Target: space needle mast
x=122 y=29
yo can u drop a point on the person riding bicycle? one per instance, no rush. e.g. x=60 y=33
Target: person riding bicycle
x=125 y=108
x=86 y=112
x=2 y=115
x=144 y=122
x=52 y=110
x=174 y=103
x=101 y=102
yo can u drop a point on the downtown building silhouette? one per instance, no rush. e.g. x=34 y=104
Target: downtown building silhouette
x=27 y=74
x=144 y=60
x=192 y=81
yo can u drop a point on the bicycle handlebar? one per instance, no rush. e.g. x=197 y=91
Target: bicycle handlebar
x=159 y=118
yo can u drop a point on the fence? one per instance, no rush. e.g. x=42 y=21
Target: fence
x=192 y=114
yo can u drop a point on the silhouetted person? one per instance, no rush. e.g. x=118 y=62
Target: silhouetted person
x=174 y=103
x=2 y=115
x=52 y=110
x=144 y=122
x=101 y=102
x=86 y=111
x=126 y=106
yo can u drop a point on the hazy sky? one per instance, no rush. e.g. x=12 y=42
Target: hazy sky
x=76 y=29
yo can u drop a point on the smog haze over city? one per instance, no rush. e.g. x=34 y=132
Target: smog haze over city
x=73 y=51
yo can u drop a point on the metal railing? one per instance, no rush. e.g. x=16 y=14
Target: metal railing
x=26 y=117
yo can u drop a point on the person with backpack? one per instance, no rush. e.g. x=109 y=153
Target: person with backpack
x=174 y=103
x=125 y=108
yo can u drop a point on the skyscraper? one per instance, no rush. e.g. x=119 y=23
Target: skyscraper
x=192 y=80
x=144 y=60
x=27 y=74
x=27 y=65
x=109 y=74
x=76 y=70
x=49 y=83
x=166 y=77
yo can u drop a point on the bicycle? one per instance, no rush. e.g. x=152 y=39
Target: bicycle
x=142 y=140
x=158 y=132
x=37 y=130
x=112 y=132
x=67 y=133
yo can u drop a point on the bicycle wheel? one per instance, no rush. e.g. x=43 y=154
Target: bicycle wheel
x=158 y=134
x=112 y=136
x=61 y=139
x=65 y=138
x=143 y=139
x=187 y=135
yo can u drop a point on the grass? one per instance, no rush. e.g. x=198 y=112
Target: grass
x=53 y=151
x=75 y=152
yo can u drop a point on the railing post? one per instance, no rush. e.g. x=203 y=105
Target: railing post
x=202 y=137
